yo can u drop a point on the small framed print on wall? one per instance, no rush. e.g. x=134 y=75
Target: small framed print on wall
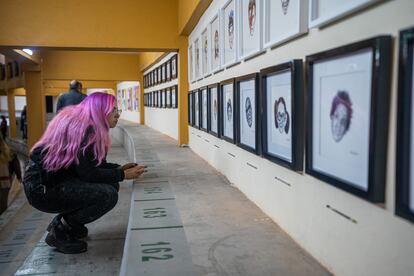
x=228 y=122
x=203 y=109
x=174 y=96
x=205 y=54
x=191 y=63
x=213 y=110
x=168 y=70
x=284 y=20
x=174 y=63
x=250 y=27
x=405 y=128
x=324 y=12
x=215 y=38
x=348 y=104
x=196 y=108
x=163 y=72
x=282 y=120
x=191 y=108
x=168 y=97
x=159 y=73
x=197 y=60
x=229 y=15
x=247 y=97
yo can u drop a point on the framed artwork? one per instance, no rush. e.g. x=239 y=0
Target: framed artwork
x=168 y=97
x=155 y=99
x=282 y=120
x=168 y=70
x=250 y=35
x=229 y=15
x=163 y=72
x=205 y=54
x=174 y=96
x=284 y=20
x=197 y=58
x=191 y=76
x=248 y=130
x=347 y=116
x=203 y=108
x=191 y=108
x=322 y=12
x=196 y=108
x=174 y=63
x=150 y=75
x=213 y=110
x=155 y=76
x=164 y=98
x=159 y=70
x=228 y=122
x=215 y=49
x=405 y=128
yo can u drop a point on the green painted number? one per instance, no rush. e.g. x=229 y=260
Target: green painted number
x=156 y=250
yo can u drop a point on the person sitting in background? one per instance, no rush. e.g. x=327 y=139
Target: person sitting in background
x=68 y=173
x=3 y=127
x=9 y=166
x=73 y=97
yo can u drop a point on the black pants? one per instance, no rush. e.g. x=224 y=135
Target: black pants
x=78 y=202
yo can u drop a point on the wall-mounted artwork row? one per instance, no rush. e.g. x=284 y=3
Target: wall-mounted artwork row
x=163 y=73
x=164 y=98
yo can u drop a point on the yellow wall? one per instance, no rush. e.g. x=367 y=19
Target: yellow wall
x=135 y=24
x=89 y=65
x=148 y=58
x=189 y=12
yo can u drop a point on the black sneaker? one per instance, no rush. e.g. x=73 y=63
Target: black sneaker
x=78 y=231
x=60 y=238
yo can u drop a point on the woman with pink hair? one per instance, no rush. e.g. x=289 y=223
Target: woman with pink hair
x=68 y=173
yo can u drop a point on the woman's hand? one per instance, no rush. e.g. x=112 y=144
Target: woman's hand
x=134 y=172
x=128 y=165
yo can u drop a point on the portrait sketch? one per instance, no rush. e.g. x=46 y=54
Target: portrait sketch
x=205 y=51
x=213 y=109
x=228 y=110
x=215 y=54
x=250 y=32
x=229 y=29
x=247 y=103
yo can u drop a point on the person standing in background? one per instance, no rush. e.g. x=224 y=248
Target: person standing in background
x=73 y=97
x=23 y=123
x=3 y=127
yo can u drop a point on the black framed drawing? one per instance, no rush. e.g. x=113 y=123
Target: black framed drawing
x=247 y=113
x=163 y=72
x=174 y=96
x=347 y=116
x=163 y=98
x=159 y=73
x=405 y=128
x=227 y=100
x=174 y=63
x=196 y=108
x=203 y=108
x=282 y=119
x=213 y=107
x=168 y=97
x=168 y=70
x=191 y=108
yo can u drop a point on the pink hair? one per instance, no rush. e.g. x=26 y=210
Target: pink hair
x=65 y=136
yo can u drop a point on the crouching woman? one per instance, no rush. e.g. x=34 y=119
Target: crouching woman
x=68 y=174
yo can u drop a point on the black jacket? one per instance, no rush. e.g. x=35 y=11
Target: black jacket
x=87 y=170
x=73 y=97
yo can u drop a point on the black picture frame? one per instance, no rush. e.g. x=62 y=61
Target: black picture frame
x=197 y=113
x=163 y=73
x=159 y=73
x=152 y=99
x=223 y=114
x=404 y=199
x=174 y=96
x=255 y=78
x=209 y=113
x=296 y=118
x=203 y=108
x=168 y=97
x=191 y=108
x=174 y=64
x=168 y=70
x=376 y=150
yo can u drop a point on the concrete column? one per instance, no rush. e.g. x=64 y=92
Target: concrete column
x=182 y=90
x=36 y=113
x=12 y=113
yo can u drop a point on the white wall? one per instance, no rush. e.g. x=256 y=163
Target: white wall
x=380 y=243
x=164 y=120
x=133 y=116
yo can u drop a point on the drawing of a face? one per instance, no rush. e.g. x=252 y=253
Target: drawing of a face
x=229 y=110
x=215 y=109
x=252 y=15
x=216 y=45
x=249 y=112
x=285 y=5
x=231 y=28
x=282 y=118
x=341 y=113
x=205 y=48
x=197 y=57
